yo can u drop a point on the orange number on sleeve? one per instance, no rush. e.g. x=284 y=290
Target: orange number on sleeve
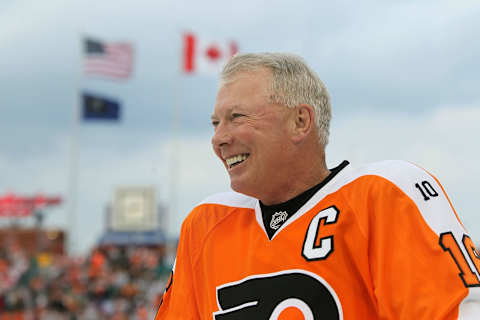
x=450 y=244
x=472 y=251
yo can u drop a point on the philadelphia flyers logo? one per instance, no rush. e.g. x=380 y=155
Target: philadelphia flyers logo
x=277 y=296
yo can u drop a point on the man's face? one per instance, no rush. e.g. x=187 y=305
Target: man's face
x=252 y=135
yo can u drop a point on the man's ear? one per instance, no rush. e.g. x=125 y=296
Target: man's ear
x=304 y=121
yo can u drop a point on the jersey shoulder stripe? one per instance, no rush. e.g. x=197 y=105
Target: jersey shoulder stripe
x=415 y=183
x=231 y=199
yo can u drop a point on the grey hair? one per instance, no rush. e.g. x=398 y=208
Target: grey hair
x=293 y=83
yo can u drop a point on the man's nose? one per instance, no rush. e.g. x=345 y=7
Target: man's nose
x=222 y=136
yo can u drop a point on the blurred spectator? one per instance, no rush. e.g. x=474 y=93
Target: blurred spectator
x=112 y=282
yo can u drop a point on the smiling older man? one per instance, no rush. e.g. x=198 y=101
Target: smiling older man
x=297 y=240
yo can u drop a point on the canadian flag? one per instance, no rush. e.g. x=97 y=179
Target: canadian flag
x=205 y=56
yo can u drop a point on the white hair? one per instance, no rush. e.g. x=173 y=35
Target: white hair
x=293 y=83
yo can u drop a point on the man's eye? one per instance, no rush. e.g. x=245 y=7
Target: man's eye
x=237 y=115
x=215 y=123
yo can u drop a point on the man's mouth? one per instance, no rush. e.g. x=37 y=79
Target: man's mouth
x=235 y=160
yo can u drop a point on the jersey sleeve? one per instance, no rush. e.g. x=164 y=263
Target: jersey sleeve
x=178 y=300
x=424 y=264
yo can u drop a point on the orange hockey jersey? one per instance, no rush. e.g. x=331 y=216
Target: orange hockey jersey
x=377 y=242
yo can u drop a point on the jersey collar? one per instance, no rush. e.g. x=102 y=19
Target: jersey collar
x=273 y=219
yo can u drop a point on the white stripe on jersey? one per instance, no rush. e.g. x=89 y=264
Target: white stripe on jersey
x=231 y=199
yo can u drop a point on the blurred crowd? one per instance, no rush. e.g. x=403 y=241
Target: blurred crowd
x=111 y=282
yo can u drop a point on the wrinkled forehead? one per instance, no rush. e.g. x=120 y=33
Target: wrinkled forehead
x=246 y=89
x=255 y=82
x=246 y=74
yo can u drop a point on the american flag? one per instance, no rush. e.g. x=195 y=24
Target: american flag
x=112 y=60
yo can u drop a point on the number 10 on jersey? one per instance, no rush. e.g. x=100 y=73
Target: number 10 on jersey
x=464 y=262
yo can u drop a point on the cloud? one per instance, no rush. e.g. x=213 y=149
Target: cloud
x=401 y=55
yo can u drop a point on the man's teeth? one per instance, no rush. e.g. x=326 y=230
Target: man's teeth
x=236 y=159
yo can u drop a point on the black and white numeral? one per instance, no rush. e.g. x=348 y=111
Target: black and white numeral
x=426 y=189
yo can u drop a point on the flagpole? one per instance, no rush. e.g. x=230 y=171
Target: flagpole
x=174 y=159
x=73 y=163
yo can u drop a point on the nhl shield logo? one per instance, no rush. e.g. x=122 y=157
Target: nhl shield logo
x=278 y=219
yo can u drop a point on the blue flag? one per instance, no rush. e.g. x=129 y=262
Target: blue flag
x=95 y=107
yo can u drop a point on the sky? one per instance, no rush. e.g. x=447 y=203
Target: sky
x=403 y=76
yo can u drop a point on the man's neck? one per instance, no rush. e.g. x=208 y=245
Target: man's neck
x=298 y=183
